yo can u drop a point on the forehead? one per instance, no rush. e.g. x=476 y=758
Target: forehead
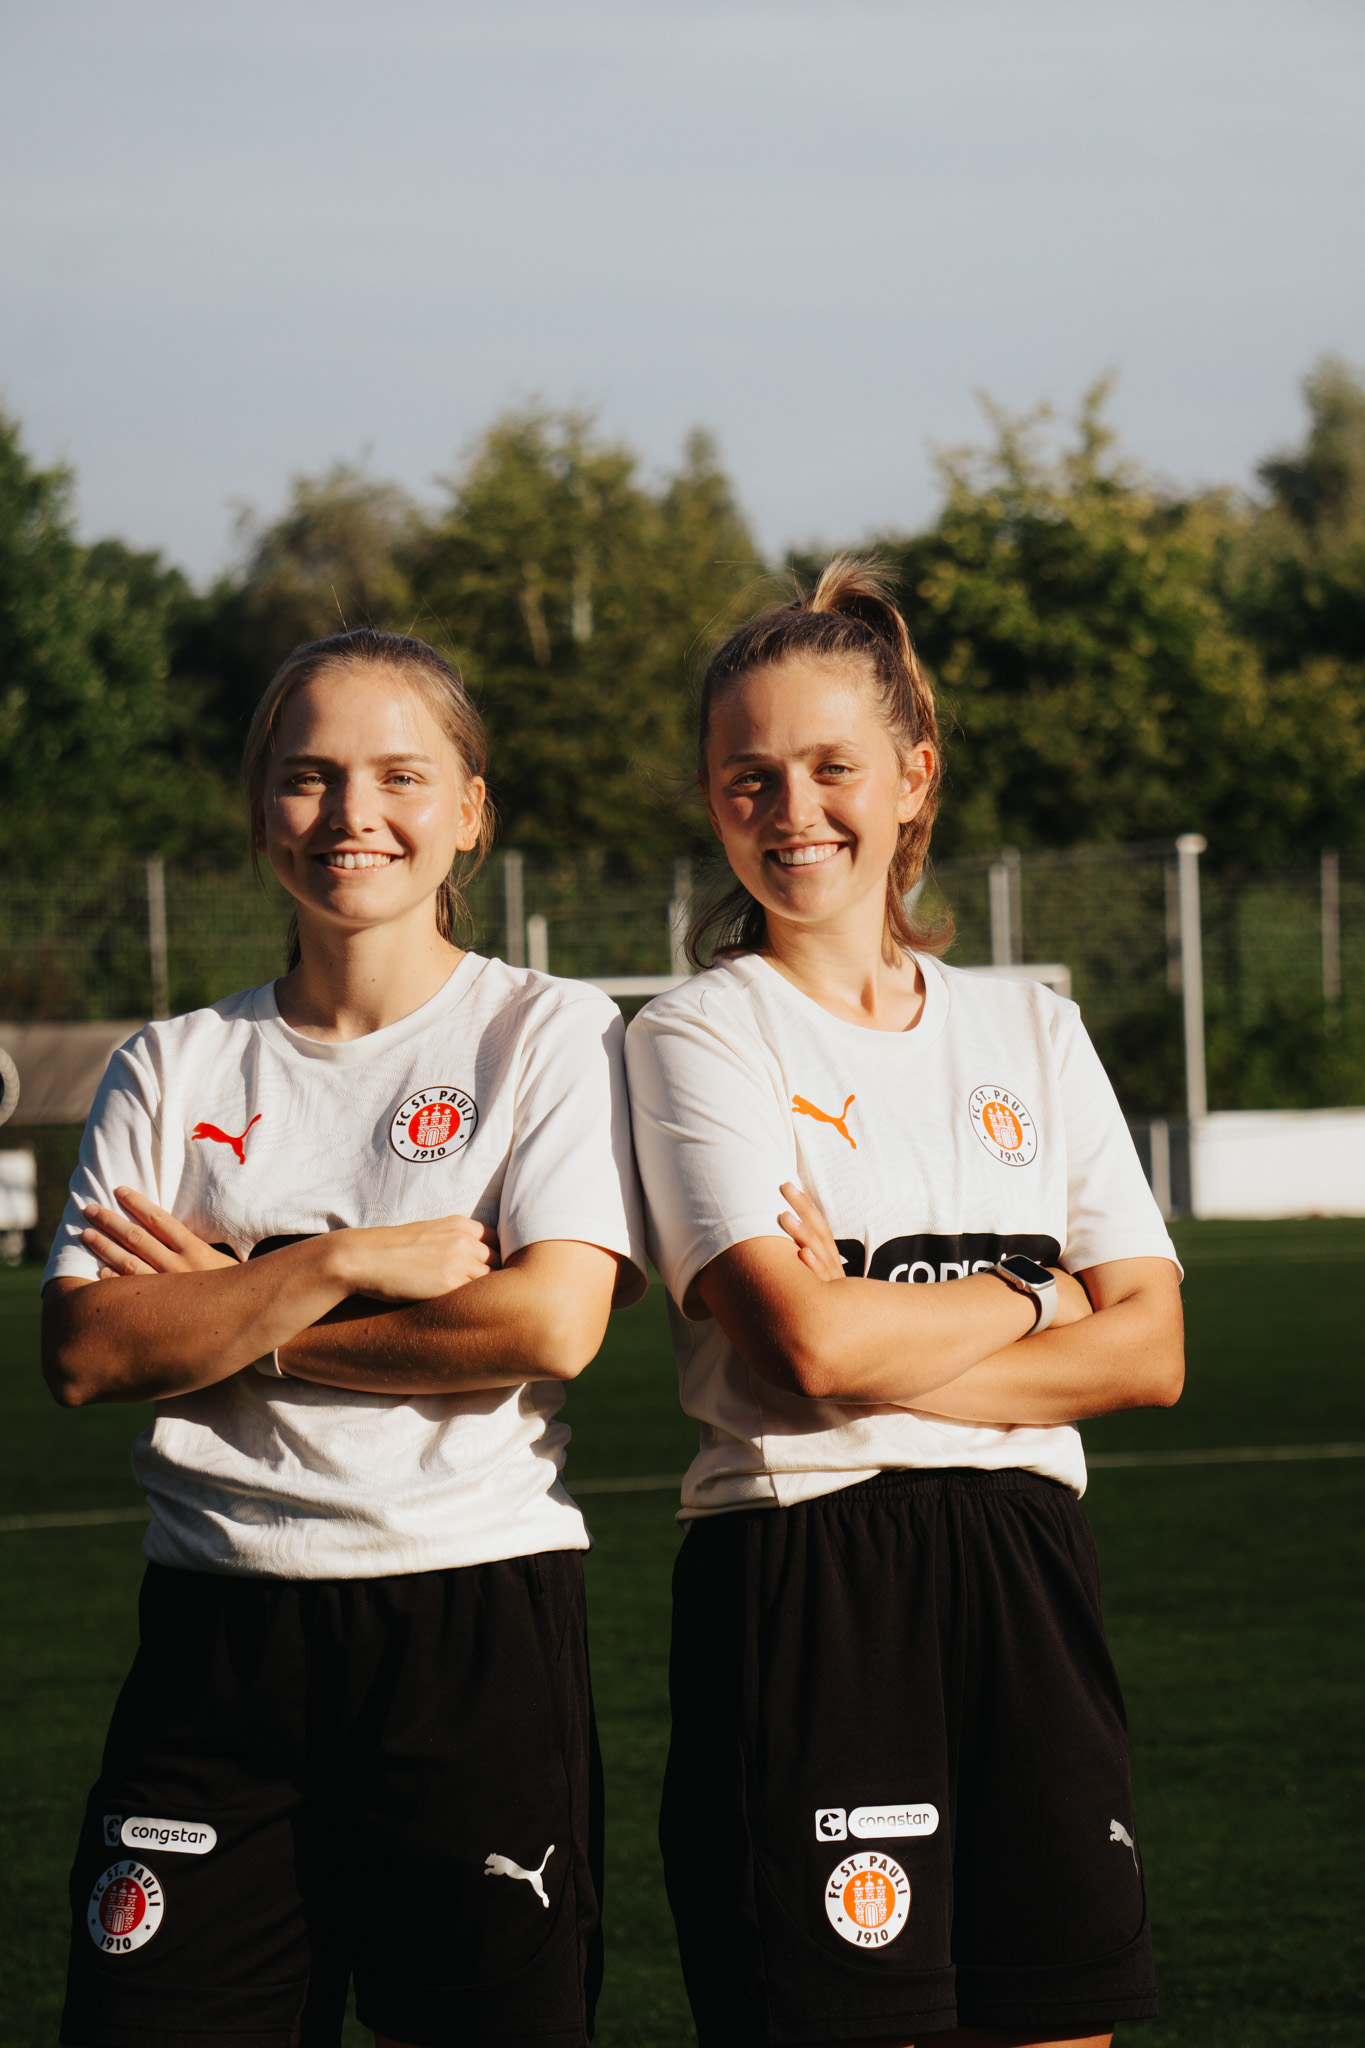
x=793 y=705
x=361 y=709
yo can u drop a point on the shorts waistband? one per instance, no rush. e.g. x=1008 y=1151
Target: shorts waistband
x=903 y=1479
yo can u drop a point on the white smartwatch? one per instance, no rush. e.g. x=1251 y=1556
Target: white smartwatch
x=1026 y=1276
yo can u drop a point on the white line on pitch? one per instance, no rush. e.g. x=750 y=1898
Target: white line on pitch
x=1100 y=1461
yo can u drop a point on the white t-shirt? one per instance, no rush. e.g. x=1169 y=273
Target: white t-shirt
x=503 y=1098
x=989 y=1127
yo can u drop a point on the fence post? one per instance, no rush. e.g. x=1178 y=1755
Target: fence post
x=538 y=944
x=1188 y=847
x=1331 y=938
x=156 y=936
x=513 y=911
x=1007 y=924
x=680 y=917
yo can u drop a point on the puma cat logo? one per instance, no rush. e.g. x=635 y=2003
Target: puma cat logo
x=800 y=1107
x=1119 y=1833
x=225 y=1137
x=503 y=1866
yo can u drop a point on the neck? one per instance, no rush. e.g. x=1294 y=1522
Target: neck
x=348 y=984
x=843 y=966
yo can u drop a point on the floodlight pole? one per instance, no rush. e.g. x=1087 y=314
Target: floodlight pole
x=680 y=917
x=1188 y=848
x=514 y=910
x=158 y=955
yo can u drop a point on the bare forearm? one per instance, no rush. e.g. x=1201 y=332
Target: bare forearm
x=1126 y=1356
x=856 y=1340
x=499 y=1331
x=142 y=1339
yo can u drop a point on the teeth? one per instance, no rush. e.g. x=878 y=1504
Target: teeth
x=805 y=856
x=359 y=860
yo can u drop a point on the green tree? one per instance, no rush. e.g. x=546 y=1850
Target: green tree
x=1297 y=584
x=577 y=599
x=1102 y=686
x=99 y=752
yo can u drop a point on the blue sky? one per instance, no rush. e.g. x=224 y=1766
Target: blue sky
x=238 y=242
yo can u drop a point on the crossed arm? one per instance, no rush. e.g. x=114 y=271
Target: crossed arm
x=963 y=1351
x=413 y=1309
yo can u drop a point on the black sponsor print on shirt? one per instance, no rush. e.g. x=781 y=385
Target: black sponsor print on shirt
x=926 y=1257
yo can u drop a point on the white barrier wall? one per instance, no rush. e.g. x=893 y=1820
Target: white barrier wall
x=1278 y=1162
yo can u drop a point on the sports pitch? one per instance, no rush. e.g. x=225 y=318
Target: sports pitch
x=1234 y=1593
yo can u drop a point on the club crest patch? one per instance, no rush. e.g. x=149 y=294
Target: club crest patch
x=433 y=1123
x=1003 y=1125
x=126 y=1908
x=867 y=1899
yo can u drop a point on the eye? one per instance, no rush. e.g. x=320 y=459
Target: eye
x=401 y=779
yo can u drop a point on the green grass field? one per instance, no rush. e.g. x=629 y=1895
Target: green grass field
x=1234 y=1596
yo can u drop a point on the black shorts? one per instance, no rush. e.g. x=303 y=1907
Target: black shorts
x=897 y=1796
x=395 y=1778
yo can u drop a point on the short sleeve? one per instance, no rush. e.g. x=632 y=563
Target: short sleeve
x=711 y=1136
x=120 y=1148
x=1111 y=1212
x=571 y=1170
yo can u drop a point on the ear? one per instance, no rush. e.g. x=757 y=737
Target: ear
x=917 y=775
x=473 y=799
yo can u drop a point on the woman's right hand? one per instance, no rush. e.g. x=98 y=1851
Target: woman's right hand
x=414 y=1261
x=1073 y=1303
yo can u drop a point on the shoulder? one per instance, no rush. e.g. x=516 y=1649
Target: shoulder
x=1007 y=1002
x=713 y=1013
x=168 y=1043
x=545 y=1011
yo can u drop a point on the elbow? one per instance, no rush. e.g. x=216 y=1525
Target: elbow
x=1170 y=1382
x=561 y=1350
x=799 y=1366
x=67 y=1384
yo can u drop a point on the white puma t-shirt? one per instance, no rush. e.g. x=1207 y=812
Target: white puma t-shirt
x=503 y=1099
x=990 y=1127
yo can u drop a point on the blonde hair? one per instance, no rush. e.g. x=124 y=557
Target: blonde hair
x=441 y=689
x=850 y=614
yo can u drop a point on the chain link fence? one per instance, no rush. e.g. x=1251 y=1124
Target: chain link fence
x=1283 y=953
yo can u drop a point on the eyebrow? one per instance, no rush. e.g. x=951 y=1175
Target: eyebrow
x=329 y=760
x=742 y=756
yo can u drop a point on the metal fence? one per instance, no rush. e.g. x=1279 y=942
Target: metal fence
x=1282 y=955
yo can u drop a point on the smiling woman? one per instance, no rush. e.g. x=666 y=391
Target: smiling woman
x=899 y=1768
x=352 y=1232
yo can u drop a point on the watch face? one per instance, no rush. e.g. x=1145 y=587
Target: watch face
x=1028 y=1270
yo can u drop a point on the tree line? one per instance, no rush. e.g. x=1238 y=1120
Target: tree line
x=1119 y=661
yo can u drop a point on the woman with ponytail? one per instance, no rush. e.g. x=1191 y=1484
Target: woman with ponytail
x=908 y=1246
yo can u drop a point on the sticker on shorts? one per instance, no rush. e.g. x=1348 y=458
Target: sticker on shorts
x=886 y=1823
x=1003 y=1125
x=125 y=1909
x=182 y=1837
x=433 y=1123
x=113 y=1830
x=867 y=1899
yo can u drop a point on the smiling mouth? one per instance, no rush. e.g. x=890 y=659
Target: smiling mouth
x=806 y=856
x=347 y=861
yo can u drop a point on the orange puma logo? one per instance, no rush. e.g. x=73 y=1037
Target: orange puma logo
x=225 y=1137
x=801 y=1107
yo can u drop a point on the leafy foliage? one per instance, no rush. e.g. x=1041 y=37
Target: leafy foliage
x=99 y=752
x=1100 y=648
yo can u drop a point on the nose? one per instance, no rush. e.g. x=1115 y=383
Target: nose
x=795 y=802
x=347 y=812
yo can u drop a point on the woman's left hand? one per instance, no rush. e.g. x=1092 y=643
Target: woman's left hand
x=147 y=1239
x=812 y=1236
